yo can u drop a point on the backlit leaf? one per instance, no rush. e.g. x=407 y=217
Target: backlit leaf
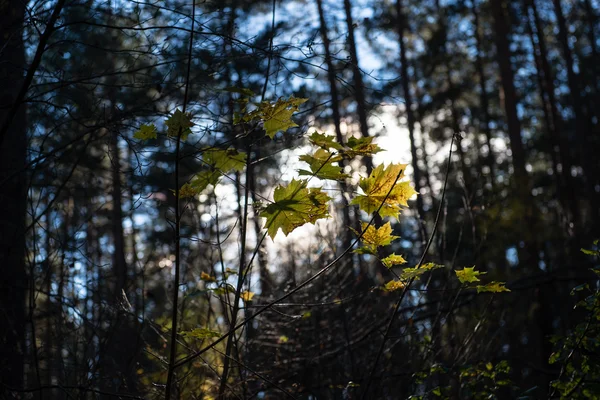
x=323 y=141
x=493 y=287
x=373 y=238
x=178 y=120
x=394 y=285
x=468 y=275
x=321 y=165
x=393 y=259
x=145 y=132
x=410 y=273
x=294 y=205
x=383 y=186
x=225 y=160
x=361 y=147
x=246 y=296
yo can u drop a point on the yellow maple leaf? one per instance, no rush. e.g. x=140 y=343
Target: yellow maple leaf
x=393 y=259
x=394 y=285
x=375 y=237
x=383 y=189
x=468 y=275
x=246 y=296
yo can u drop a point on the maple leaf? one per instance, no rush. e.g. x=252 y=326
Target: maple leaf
x=246 y=296
x=493 y=287
x=394 y=285
x=410 y=273
x=178 y=120
x=276 y=117
x=198 y=183
x=294 y=205
x=323 y=141
x=393 y=259
x=382 y=188
x=225 y=160
x=373 y=238
x=361 y=147
x=321 y=165
x=145 y=132
x=468 y=275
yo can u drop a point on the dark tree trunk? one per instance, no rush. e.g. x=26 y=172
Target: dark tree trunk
x=13 y=197
x=483 y=96
x=582 y=123
x=359 y=88
x=401 y=26
x=510 y=100
x=337 y=121
x=557 y=122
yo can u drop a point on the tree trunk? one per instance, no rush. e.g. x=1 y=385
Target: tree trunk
x=337 y=121
x=582 y=123
x=401 y=26
x=13 y=197
x=359 y=88
x=557 y=122
x=483 y=96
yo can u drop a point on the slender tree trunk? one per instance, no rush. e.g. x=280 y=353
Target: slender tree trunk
x=557 y=122
x=483 y=96
x=337 y=120
x=13 y=197
x=359 y=88
x=467 y=177
x=528 y=253
x=582 y=123
x=401 y=26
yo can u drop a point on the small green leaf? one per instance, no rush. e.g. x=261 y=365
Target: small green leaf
x=492 y=287
x=145 y=132
x=323 y=141
x=468 y=275
x=179 y=121
x=410 y=273
x=362 y=146
x=225 y=160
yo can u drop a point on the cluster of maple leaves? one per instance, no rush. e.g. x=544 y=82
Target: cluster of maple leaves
x=383 y=192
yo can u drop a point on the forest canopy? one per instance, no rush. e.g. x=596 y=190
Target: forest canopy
x=306 y=199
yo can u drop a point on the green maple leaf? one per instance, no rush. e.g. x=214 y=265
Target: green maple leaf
x=179 y=121
x=410 y=273
x=382 y=188
x=321 y=165
x=294 y=205
x=225 y=160
x=277 y=117
x=375 y=237
x=199 y=182
x=361 y=147
x=468 y=275
x=393 y=259
x=145 y=132
x=323 y=141
x=493 y=287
